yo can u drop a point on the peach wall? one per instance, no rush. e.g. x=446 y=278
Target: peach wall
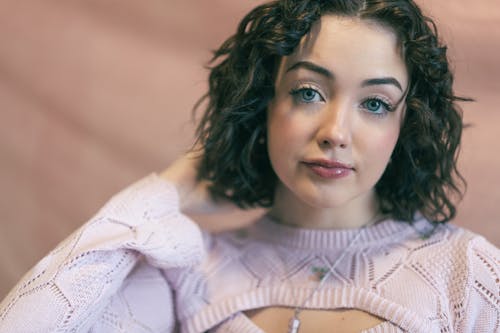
x=95 y=94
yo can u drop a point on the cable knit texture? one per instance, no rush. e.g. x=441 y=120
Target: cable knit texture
x=139 y=265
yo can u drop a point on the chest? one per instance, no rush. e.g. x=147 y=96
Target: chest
x=277 y=319
x=261 y=285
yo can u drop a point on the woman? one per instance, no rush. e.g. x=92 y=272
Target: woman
x=339 y=116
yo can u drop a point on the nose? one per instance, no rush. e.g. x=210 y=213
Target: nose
x=335 y=129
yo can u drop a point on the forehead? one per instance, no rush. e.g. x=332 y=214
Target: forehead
x=351 y=48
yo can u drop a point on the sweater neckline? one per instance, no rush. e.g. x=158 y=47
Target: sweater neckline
x=270 y=230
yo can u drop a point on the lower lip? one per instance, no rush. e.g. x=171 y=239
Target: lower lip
x=330 y=173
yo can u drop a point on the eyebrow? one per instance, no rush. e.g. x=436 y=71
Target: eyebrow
x=312 y=67
x=325 y=72
x=382 y=80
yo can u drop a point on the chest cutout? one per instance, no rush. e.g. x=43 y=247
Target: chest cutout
x=276 y=319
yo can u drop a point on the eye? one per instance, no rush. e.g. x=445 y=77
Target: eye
x=306 y=95
x=377 y=106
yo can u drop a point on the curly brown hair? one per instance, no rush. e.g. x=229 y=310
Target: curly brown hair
x=422 y=176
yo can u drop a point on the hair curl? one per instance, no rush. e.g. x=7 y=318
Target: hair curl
x=422 y=176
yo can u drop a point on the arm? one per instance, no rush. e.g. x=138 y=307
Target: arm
x=73 y=287
x=193 y=194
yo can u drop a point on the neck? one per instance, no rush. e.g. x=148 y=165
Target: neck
x=288 y=209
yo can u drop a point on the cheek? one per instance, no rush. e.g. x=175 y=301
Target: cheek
x=282 y=130
x=279 y=135
x=287 y=137
x=387 y=144
x=388 y=140
x=380 y=145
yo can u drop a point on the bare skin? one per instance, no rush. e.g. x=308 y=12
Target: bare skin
x=194 y=199
x=275 y=320
x=353 y=132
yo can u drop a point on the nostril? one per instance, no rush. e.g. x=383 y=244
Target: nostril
x=326 y=143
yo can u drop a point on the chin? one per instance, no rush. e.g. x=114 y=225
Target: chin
x=324 y=200
x=331 y=197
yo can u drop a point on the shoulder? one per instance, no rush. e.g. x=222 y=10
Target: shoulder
x=483 y=263
x=453 y=270
x=472 y=265
x=446 y=239
x=455 y=248
x=454 y=261
x=478 y=254
x=476 y=298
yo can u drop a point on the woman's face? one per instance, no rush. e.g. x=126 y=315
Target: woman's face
x=337 y=112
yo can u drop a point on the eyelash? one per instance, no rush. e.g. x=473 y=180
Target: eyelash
x=295 y=93
x=387 y=105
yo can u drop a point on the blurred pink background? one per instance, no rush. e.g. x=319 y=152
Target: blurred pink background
x=95 y=94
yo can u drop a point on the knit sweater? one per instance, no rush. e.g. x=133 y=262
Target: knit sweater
x=140 y=265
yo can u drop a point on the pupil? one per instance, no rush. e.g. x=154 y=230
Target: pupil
x=308 y=94
x=373 y=105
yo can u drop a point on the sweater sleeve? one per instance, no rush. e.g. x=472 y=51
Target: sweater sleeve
x=85 y=282
x=481 y=306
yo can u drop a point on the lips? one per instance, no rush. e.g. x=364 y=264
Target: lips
x=330 y=169
x=329 y=163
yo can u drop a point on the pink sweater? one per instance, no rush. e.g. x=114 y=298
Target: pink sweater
x=139 y=265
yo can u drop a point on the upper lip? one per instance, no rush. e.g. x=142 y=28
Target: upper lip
x=328 y=163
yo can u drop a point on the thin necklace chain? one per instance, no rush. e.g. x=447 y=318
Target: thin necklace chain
x=294 y=323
